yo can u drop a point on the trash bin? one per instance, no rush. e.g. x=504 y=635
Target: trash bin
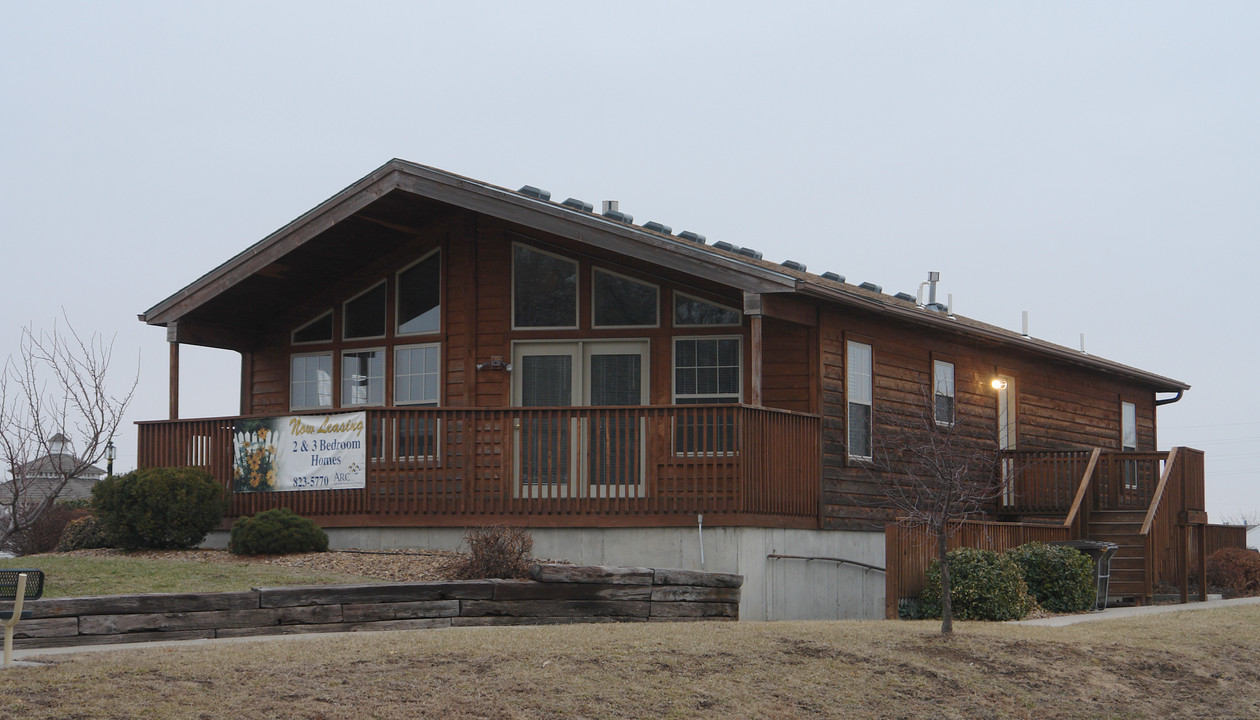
x=1101 y=553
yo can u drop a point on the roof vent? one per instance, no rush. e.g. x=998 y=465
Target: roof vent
x=906 y=296
x=871 y=286
x=833 y=277
x=612 y=212
x=793 y=265
x=657 y=227
x=723 y=245
x=693 y=237
x=534 y=192
x=749 y=252
x=579 y=205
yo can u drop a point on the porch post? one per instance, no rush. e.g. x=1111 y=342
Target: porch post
x=174 y=381
x=755 y=370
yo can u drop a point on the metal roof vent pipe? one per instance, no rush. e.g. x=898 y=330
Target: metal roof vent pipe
x=612 y=212
x=931 y=304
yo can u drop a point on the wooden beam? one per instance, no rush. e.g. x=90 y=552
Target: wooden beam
x=754 y=368
x=174 y=381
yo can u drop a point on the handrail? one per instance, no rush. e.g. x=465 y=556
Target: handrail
x=842 y=561
x=1084 y=487
x=1159 y=491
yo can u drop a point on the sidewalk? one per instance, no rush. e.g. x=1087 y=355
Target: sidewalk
x=1126 y=612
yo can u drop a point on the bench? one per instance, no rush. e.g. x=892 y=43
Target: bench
x=17 y=586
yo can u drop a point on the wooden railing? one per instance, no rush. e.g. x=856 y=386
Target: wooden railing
x=641 y=466
x=1175 y=511
x=909 y=550
x=1218 y=537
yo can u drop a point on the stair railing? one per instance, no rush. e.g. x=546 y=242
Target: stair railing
x=1166 y=521
x=1079 y=506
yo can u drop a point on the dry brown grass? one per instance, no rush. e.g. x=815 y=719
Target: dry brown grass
x=1181 y=665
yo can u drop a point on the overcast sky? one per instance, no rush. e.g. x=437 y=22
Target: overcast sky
x=1095 y=164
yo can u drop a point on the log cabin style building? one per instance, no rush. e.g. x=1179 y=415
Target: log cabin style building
x=641 y=397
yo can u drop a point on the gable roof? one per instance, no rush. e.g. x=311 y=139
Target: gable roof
x=751 y=275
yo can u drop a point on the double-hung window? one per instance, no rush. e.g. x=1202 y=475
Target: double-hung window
x=943 y=392
x=362 y=377
x=310 y=381
x=417 y=383
x=859 y=390
x=706 y=372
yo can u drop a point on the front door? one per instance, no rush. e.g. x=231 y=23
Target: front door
x=591 y=452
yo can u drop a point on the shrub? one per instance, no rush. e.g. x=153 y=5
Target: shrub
x=1060 y=578
x=83 y=533
x=275 y=532
x=1236 y=570
x=159 y=508
x=983 y=586
x=42 y=534
x=496 y=551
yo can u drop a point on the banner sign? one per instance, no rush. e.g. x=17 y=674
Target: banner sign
x=303 y=452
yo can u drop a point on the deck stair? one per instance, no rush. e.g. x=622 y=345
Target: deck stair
x=1128 y=566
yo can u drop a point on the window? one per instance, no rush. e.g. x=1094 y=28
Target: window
x=690 y=311
x=621 y=302
x=318 y=330
x=362 y=377
x=420 y=297
x=544 y=289
x=1128 y=426
x=859 y=390
x=365 y=315
x=310 y=381
x=943 y=391
x=706 y=371
x=416 y=374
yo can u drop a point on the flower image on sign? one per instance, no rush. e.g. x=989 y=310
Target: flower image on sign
x=304 y=452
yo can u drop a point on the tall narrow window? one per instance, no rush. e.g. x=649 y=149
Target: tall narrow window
x=544 y=289
x=1128 y=426
x=420 y=297
x=859 y=390
x=364 y=315
x=310 y=381
x=363 y=377
x=943 y=391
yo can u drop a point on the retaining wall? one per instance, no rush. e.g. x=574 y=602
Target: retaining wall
x=555 y=594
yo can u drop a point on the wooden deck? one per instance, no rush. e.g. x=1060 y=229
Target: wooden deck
x=545 y=467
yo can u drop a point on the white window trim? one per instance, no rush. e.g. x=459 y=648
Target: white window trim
x=398 y=296
x=332 y=379
x=953 y=392
x=674 y=312
x=293 y=335
x=848 y=399
x=341 y=380
x=577 y=298
x=345 y=326
x=654 y=286
x=418 y=403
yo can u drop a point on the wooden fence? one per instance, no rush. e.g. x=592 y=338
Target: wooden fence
x=642 y=466
x=909 y=550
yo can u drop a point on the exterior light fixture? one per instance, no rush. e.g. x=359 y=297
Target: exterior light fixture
x=998 y=384
x=111 y=452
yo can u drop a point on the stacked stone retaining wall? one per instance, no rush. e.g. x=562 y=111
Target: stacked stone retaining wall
x=554 y=594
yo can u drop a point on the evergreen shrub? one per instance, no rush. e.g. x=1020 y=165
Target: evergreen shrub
x=983 y=586
x=83 y=533
x=1060 y=578
x=159 y=508
x=276 y=532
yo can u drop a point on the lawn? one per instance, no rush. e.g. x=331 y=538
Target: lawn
x=1192 y=664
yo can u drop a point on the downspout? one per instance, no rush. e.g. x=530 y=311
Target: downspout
x=1171 y=400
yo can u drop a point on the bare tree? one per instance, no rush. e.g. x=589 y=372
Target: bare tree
x=1249 y=519
x=936 y=467
x=55 y=384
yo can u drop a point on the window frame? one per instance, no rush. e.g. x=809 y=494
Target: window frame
x=1125 y=407
x=398 y=288
x=849 y=402
x=417 y=403
x=656 y=314
x=345 y=325
x=577 y=291
x=332 y=386
x=673 y=317
x=385 y=370
x=704 y=399
x=938 y=363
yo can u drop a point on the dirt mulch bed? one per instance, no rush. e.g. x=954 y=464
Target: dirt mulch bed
x=388 y=565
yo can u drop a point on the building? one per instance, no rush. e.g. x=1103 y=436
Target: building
x=633 y=395
x=45 y=473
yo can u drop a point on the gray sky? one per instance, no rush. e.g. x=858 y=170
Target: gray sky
x=1095 y=164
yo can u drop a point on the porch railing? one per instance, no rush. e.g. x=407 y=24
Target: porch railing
x=735 y=464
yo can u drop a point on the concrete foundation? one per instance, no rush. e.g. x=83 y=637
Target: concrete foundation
x=774 y=589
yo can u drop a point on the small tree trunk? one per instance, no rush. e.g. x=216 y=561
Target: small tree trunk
x=947 y=604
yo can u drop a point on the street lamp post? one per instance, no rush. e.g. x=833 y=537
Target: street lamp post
x=111 y=452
